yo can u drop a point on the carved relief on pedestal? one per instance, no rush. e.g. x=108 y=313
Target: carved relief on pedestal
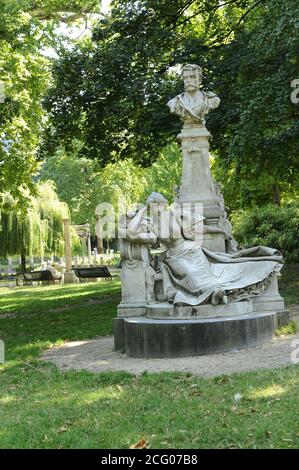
x=192 y=146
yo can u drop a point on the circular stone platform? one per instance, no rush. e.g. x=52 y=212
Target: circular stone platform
x=153 y=338
x=164 y=310
x=98 y=355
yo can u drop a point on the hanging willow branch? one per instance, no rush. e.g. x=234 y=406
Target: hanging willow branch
x=38 y=230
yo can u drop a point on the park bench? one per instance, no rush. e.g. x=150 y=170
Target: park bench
x=93 y=273
x=41 y=277
x=7 y=277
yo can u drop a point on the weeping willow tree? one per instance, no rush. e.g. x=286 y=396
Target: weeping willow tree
x=37 y=229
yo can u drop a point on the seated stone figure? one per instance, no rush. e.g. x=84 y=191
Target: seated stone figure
x=191 y=274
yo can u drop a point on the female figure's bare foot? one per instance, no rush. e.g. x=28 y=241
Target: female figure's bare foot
x=219 y=297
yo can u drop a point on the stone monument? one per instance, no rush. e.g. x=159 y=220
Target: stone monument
x=201 y=295
x=197 y=185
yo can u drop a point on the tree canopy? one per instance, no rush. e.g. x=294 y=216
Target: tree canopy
x=256 y=131
x=82 y=185
x=108 y=91
x=111 y=91
x=27 y=28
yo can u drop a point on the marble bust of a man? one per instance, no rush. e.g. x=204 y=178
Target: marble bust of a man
x=193 y=104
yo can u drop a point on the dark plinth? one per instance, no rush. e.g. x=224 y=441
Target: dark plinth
x=119 y=334
x=153 y=338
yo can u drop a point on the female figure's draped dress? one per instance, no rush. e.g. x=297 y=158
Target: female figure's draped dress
x=191 y=274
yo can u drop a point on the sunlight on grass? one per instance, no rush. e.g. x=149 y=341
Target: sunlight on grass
x=7 y=399
x=73 y=344
x=38 y=346
x=9 y=306
x=268 y=392
x=101 y=394
x=44 y=298
x=285 y=330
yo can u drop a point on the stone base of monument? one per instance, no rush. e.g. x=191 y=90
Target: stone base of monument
x=161 y=329
x=178 y=337
x=163 y=310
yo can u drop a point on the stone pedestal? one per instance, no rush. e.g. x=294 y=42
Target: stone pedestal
x=197 y=183
x=214 y=242
x=154 y=338
x=177 y=331
x=133 y=292
x=271 y=300
x=164 y=310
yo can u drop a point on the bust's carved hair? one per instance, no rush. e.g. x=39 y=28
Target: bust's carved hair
x=195 y=67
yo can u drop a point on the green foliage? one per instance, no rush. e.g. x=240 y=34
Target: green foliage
x=256 y=128
x=27 y=29
x=290 y=329
x=37 y=230
x=82 y=184
x=270 y=225
x=24 y=73
x=289 y=284
x=164 y=175
x=111 y=92
x=123 y=182
x=76 y=180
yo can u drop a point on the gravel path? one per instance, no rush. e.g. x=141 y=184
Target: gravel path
x=98 y=356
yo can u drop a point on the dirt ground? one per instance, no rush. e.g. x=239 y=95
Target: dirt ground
x=98 y=356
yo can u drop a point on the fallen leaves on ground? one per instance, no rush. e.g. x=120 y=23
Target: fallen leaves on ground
x=141 y=444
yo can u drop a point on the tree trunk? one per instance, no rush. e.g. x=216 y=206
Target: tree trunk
x=23 y=260
x=276 y=194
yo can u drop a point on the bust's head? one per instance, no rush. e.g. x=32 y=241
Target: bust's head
x=192 y=76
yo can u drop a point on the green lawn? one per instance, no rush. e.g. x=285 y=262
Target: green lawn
x=41 y=407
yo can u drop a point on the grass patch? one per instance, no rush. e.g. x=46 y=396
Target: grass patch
x=41 y=407
x=44 y=408
x=42 y=299
x=290 y=329
x=36 y=326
